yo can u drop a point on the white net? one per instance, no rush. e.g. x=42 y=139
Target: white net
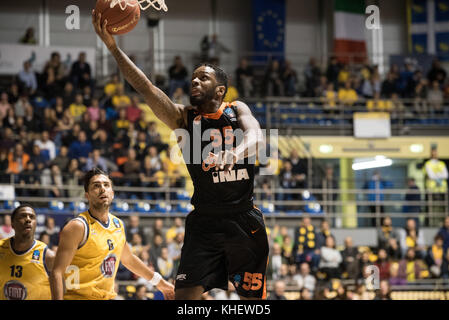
x=156 y=4
x=144 y=4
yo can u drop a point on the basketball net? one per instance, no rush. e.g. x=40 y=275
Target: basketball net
x=144 y=4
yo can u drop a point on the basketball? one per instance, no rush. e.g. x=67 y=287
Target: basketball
x=122 y=15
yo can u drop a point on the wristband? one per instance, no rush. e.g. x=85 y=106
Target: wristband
x=156 y=279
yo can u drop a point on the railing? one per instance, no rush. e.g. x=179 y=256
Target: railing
x=369 y=206
x=315 y=116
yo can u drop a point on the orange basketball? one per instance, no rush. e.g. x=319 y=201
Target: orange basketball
x=122 y=17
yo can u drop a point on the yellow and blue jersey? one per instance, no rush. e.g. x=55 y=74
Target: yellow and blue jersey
x=23 y=275
x=92 y=271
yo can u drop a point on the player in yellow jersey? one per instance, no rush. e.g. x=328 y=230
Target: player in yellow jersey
x=24 y=261
x=91 y=247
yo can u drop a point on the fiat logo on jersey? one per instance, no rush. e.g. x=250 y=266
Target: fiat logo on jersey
x=14 y=290
x=108 y=266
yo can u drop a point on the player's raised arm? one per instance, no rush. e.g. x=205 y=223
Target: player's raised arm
x=135 y=265
x=168 y=112
x=70 y=238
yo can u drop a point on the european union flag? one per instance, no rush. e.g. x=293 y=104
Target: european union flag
x=269 y=26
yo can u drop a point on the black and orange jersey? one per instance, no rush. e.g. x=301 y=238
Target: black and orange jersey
x=217 y=191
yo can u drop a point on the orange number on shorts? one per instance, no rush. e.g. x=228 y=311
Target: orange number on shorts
x=252 y=281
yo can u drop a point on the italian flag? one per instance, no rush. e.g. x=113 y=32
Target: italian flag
x=349 y=27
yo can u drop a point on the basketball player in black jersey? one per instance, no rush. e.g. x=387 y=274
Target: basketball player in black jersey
x=225 y=237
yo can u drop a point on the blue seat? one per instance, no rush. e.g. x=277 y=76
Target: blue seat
x=57 y=206
x=77 y=206
x=121 y=207
x=143 y=207
x=163 y=207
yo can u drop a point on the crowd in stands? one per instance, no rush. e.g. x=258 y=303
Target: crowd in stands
x=305 y=259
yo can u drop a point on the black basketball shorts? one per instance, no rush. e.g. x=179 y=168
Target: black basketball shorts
x=218 y=249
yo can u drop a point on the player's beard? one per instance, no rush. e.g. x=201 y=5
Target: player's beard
x=200 y=100
x=101 y=205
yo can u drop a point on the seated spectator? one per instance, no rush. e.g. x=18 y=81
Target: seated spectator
x=28 y=37
x=27 y=78
x=120 y=99
x=21 y=105
x=52 y=230
x=111 y=86
x=330 y=259
x=304 y=279
x=29 y=176
x=304 y=248
x=312 y=74
x=395 y=278
x=324 y=232
x=10 y=120
x=134 y=227
x=384 y=292
x=278 y=292
x=74 y=177
x=136 y=244
x=290 y=79
x=54 y=179
x=330 y=98
x=412 y=195
x=133 y=112
x=174 y=249
x=389 y=86
x=87 y=96
x=38 y=158
x=232 y=93
x=80 y=73
x=409 y=267
x=101 y=142
x=275 y=262
x=445 y=266
x=444 y=232
x=361 y=293
x=371 y=86
x=437 y=72
x=383 y=264
x=177 y=74
x=141 y=293
x=80 y=148
x=420 y=103
x=435 y=98
x=386 y=232
x=272 y=82
x=56 y=67
x=94 y=110
x=46 y=145
x=305 y=294
x=435 y=256
x=393 y=250
x=122 y=123
x=244 y=78
x=4 y=164
x=95 y=160
x=131 y=168
x=77 y=108
x=344 y=74
x=6 y=229
x=347 y=95
x=174 y=230
x=287 y=250
x=17 y=159
x=61 y=160
x=5 y=106
x=412 y=237
x=165 y=264
x=350 y=257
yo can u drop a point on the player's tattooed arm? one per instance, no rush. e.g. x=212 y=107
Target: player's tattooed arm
x=168 y=112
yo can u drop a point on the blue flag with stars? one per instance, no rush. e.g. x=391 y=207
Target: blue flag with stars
x=269 y=27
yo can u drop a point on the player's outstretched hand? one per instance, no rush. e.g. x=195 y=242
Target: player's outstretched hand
x=101 y=30
x=167 y=289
